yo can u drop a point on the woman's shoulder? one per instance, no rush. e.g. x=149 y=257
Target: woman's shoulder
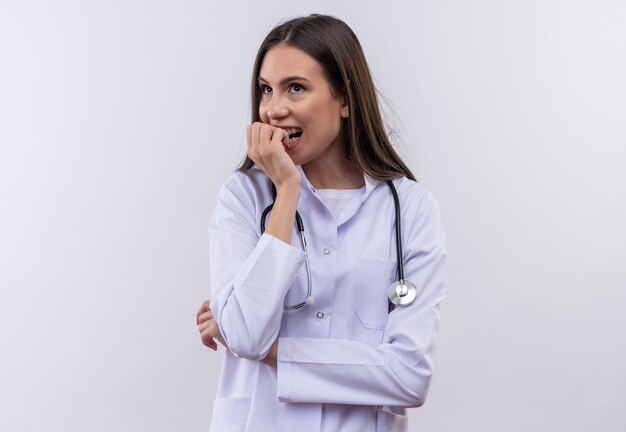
x=248 y=185
x=421 y=208
x=414 y=194
x=250 y=180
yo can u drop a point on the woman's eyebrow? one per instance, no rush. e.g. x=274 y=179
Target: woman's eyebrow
x=286 y=79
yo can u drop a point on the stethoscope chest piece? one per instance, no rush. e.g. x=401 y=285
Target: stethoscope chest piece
x=402 y=293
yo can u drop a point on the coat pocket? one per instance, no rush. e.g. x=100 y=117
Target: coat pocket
x=374 y=276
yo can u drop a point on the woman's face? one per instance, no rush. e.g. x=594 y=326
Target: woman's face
x=297 y=97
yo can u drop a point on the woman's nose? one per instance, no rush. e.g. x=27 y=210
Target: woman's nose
x=276 y=109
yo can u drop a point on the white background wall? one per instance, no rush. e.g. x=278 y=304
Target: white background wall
x=119 y=120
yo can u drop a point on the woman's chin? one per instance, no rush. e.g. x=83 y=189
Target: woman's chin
x=293 y=154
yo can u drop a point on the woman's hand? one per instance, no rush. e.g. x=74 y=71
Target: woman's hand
x=271 y=359
x=209 y=331
x=267 y=148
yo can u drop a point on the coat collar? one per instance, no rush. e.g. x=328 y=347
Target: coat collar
x=371 y=183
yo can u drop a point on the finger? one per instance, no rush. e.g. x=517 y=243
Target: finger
x=281 y=136
x=256 y=134
x=266 y=139
x=252 y=134
x=209 y=342
x=253 y=147
x=209 y=334
x=210 y=326
x=202 y=327
x=203 y=308
x=205 y=317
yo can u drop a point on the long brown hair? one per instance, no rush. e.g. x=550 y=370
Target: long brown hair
x=336 y=48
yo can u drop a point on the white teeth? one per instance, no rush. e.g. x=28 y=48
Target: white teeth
x=292 y=131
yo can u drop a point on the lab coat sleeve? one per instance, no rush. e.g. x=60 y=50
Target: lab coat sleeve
x=398 y=371
x=250 y=275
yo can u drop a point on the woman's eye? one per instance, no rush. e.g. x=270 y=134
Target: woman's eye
x=265 y=89
x=297 y=88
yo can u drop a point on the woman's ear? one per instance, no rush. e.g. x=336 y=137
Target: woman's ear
x=345 y=109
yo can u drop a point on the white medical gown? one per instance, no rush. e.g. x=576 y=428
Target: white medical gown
x=345 y=363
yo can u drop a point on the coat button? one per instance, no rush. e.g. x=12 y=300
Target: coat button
x=326 y=251
x=320 y=315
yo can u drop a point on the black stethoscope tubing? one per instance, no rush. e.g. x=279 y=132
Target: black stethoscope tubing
x=398 y=231
x=396 y=202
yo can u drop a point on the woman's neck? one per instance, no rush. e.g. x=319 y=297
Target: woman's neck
x=343 y=174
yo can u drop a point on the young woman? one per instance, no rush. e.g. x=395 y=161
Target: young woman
x=318 y=335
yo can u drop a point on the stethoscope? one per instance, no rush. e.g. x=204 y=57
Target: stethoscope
x=400 y=293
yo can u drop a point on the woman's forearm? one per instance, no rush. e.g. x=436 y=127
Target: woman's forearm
x=283 y=214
